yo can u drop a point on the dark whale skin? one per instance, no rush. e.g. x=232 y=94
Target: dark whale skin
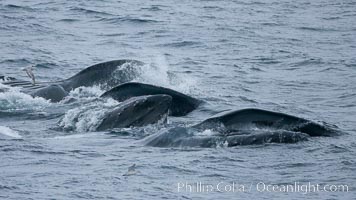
x=181 y=104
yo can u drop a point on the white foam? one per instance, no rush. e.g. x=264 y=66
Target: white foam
x=84 y=93
x=207 y=132
x=9 y=132
x=87 y=117
x=3 y=86
x=157 y=72
x=75 y=136
x=13 y=99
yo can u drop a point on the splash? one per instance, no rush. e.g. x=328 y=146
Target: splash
x=207 y=132
x=157 y=72
x=4 y=130
x=14 y=100
x=87 y=117
x=84 y=93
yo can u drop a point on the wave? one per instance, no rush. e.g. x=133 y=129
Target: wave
x=13 y=6
x=306 y=62
x=183 y=44
x=46 y=65
x=89 y=11
x=331 y=69
x=272 y=24
x=331 y=18
x=266 y=60
x=4 y=130
x=247 y=99
x=152 y=8
x=116 y=20
x=20 y=61
x=256 y=69
x=112 y=34
x=350 y=65
x=318 y=29
x=69 y=20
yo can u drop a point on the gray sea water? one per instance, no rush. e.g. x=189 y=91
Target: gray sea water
x=296 y=57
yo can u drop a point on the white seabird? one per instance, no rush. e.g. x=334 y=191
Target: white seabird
x=29 y=72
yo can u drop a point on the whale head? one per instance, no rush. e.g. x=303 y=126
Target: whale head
x=137 y=111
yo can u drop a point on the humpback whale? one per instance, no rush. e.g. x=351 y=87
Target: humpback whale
x=242 y=127
x=111 y=73
x=181 y=104
x=107 y=74
x=240 y=120
x=137 y=111
x=186 y=137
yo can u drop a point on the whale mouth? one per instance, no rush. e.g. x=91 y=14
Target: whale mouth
x=153 y=109
x=137 y=112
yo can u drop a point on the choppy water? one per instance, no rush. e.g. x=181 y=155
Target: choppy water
x=296 y=57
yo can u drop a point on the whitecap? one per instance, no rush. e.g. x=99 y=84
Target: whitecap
x=4 y=130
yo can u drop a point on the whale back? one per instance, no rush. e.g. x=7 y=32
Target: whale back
x=108 y=74
x=183 y=137
x=257 y=118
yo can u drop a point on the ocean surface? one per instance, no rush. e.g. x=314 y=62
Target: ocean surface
x=295 y=57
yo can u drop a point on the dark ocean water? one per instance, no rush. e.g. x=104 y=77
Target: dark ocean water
x=296 y=57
